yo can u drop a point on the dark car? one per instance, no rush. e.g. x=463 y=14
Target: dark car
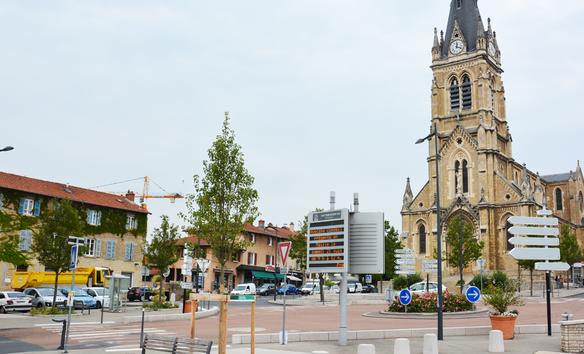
x=290 y=289
x=266 y=289
x=142 y=293
x=368 y=288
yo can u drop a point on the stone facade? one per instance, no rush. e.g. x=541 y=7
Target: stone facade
x=572 y=336
x=478 y=176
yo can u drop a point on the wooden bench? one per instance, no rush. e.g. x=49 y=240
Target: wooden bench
x=175 y=344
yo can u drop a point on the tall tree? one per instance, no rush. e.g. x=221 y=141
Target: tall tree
x=528 y=264
x=162 y=251
x=51 y=241
x=224 y=200
x=392 y=243
x=471 y=247
x=570 y=251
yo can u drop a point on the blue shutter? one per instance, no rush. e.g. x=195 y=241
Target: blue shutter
x=1 y=200
x=22 y=243
x=99 y=220
x=89 y=216
x=128 y=247
x=37 y=207
x=21 y=206
x=97 y=248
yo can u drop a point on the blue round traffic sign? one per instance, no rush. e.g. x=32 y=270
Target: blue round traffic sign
x=473 y=294
x=405 y=297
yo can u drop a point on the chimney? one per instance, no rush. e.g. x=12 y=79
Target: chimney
x=261 y=224
x=292 y=227
x=130 y=196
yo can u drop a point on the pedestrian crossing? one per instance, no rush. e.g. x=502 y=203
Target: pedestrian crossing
x=118 y=335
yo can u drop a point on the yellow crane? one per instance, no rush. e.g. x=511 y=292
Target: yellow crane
x=145 y=192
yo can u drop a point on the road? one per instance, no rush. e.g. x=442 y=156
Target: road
x=86 y=331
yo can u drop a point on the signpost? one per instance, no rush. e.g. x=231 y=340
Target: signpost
x=284 y=248
x=481 y=262
x=404 y=258
x=473 y=294
x=405 y=297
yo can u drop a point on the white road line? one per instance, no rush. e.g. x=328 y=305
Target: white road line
x=123 y=349
x=102 y=334
x=72 y=324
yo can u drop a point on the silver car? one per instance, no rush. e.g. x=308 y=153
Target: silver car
x=43 y=297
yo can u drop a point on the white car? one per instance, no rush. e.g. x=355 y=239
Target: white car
x=420 y=288
x=100 y=296
x=43 y=297
x=14 y=301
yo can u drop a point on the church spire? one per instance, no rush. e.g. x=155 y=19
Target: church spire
x=466 y=14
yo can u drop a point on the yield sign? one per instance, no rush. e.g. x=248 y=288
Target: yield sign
x=284 y=250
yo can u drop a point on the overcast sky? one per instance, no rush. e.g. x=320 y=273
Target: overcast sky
x=323 y=95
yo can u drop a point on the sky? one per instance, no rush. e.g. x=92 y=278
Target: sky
x=323 y=95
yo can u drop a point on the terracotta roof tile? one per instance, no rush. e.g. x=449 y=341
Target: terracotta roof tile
x=60 y=190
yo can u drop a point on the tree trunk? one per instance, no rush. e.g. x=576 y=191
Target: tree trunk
x=222 y=280
x=160 y=292
x=321 y=282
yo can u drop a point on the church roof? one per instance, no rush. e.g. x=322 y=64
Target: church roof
x=560 y=177
x=467 y=16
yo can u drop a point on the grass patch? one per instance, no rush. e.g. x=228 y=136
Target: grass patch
x=49 y=311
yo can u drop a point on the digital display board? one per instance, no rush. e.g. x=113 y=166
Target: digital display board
x=328 y=239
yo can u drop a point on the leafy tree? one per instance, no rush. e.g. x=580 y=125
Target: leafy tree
x=51 y=242
x=10 y=253
x=162 y=251
x=570 y=251
x=224 y=199
x=528 y=264
x=471 y=248
x=392 y=243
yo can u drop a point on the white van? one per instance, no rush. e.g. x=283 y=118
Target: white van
x=355 y=287
x=244 y=289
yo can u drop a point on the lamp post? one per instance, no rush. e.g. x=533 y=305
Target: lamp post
x=275 y=261
x=461 y=280
x=439 y=234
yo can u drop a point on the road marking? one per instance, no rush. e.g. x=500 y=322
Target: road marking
x=72 y=324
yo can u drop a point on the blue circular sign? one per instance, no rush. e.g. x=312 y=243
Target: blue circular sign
x=473 y=294
x=405 y=297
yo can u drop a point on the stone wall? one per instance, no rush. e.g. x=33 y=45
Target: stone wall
x=572 y=336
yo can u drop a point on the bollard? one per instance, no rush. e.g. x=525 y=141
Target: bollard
x=401 y=346
x=366 y=349
x=496 y=343
x=430 y=344
x=63 y=332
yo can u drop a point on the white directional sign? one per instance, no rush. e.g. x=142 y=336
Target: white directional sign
x=407 y=250
x=526 y=220
x=552 y=254
x=534 y=231
x=405 y=272
x=430 y=265
x=186 y=285
x=430 y=261
x=405 y=255
x=429 y=270
x=405 y=261
x=404 y=267
x=534 y=241
x=558 y=266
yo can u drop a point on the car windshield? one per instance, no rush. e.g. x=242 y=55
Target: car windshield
x=77 y=292
x=240 y=287
x=99 y=291
x=308 y=286
x=265 y=286
x=351 y=286
x=16 y=294
x=46 y=291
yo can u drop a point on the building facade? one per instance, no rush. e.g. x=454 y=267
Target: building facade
x=478 y=176
x=115 y=225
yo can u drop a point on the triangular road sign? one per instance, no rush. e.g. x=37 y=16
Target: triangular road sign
x=284 y=250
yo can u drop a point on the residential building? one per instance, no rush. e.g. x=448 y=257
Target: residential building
x=115 y=225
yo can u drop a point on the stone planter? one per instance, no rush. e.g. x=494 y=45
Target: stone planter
x=505 y=324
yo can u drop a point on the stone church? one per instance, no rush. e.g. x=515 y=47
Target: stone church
x=478 y=176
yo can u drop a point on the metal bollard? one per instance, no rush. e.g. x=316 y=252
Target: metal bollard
x=64 y=321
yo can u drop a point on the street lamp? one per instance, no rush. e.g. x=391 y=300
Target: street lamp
x=439 y=248
x=8 y=148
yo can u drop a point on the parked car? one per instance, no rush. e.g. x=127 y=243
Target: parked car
x=14 y=301
x=244 y=289
x=420 y=288
x=100 y=295
x=336 y=288
x=266 y=289
x=355 y=287
x=43 y=297
x=306 y=289
x=369 y=288
x=142 y=293
x=80 y=295
x=290 y=289
x=317 y=289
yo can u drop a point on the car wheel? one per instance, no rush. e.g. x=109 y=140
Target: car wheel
x=142 y=298
x=98 y=305
x=40 y=305
x=3 y=310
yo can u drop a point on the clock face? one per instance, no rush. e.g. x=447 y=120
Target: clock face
x=491 y=48
x=456 y=47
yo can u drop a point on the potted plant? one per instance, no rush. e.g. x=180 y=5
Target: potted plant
x=501 y=297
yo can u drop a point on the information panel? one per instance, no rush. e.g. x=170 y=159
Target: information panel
x=328 y=241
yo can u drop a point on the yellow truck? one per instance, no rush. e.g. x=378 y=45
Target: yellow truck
x=84 y=277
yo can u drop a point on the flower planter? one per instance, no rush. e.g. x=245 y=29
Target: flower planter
x=505 y=324
x=188 y=306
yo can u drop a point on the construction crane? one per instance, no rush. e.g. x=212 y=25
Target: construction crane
x=145 y=192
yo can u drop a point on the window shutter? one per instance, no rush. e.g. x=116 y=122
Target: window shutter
x=22 y=243
x=37 y=207
x=89 y=216
x=99 y=222
x=97 y=248
x=28 y=239
x=129 y=251
x=249 y=258
x=1 y=200
x=21 y=206
x=113 y=249
x=132 y=253
x=135 y=223
x=267 y=259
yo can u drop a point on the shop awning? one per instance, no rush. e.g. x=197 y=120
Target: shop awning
x=260 y=274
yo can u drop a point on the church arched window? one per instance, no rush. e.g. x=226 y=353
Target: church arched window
x=464 y=177
x=458 y=4
x=466 y=93
x=458 y=173
x=559 y=204
x=422 y=239
x=509 y=235
x=581 y=201
x=454 y=96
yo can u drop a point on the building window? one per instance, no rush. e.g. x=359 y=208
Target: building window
x=466 y=94
x=252 y=237
x=461 y=174
x=29 y=206
x=509 y=235
x=458 y=4
x=559 y=205
x=90 y=247
x=454 y=96
x=110 y=251
x=270 y=241
x=422 y=239
x=22 y=268
x=269 y=259
x=464 y=177
x=93 y=217
x=25 y=240
x=251 y=258
x=581 y=201
x=131 y=222
x=129 y=251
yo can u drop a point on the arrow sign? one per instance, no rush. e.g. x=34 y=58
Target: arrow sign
x=534 y=241
x=405 y=272
x=404 y=251
x=404 y=267
x=535 y=231
x=429 y=270
x=552 y=254
x=405 y=297
x=473 y=294
x=284 y=250
x=404 y=255
x=405 y=261
x=561 y=266
x=525 y=220
x=429 y=265
x=429 y=261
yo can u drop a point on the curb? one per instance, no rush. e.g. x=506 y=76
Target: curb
x=429 y=316
x=171 y=317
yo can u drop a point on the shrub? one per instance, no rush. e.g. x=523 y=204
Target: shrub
x=476 y=280
x=500 y=279
x=49 y=311
x=155 y=298
x=156 y=306
x=400 y=281
x=426 y=303
x=500 y=298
